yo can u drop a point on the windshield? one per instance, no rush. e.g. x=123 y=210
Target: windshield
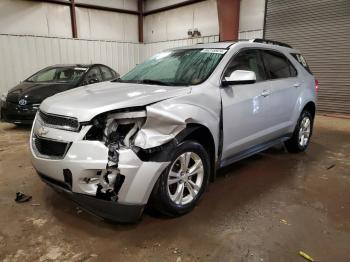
x=58 y=74
x=177 y=67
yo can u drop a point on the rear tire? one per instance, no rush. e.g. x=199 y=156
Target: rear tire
x=183 y=182
x=302 y=133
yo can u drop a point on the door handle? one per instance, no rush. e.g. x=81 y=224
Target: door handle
x=296 y=85
x=265 y=93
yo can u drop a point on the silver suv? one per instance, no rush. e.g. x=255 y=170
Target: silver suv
x=158 y=134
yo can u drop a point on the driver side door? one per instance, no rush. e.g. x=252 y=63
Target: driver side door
x=242 y=104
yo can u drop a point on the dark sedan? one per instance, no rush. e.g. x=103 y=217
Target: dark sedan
x=20 y=103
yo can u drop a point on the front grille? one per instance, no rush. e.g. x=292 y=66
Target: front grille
x=50 y=148
x=59 y=122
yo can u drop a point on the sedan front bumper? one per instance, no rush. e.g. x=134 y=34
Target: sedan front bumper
x=13 y=113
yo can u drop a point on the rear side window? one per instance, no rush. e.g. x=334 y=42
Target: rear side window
x=107 y=74
x=277 y=65
x=302 y=61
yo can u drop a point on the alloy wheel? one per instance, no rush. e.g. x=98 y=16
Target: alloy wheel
x=185 y=178
x=304 y=131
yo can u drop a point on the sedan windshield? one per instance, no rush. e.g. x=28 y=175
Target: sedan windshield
x=58 y=74
x=177 y=67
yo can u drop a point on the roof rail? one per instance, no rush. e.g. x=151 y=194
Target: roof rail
x=271 y=42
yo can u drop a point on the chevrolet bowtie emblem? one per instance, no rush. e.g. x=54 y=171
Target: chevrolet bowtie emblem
x=42 y=131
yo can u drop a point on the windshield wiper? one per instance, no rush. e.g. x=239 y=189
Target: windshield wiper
x=152 y=82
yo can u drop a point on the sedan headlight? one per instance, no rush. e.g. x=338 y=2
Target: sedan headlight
x=4 y=96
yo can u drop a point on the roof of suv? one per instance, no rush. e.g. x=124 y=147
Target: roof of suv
x=253 y=42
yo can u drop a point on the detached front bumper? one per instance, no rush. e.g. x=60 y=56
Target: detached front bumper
x=109 y=210
x=77 y=173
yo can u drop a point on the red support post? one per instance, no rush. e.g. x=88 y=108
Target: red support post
x=73 y=19
x=228 y=12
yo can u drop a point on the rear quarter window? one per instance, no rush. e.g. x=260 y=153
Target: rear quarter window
x=301 y=60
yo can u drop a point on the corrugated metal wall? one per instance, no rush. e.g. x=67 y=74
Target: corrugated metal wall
x=21 y=56
x=153 y=48
x=245 y=35
x=320 y=29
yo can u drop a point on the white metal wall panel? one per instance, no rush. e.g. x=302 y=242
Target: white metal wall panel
x=153 y=48
x=21 y=56
x=320 y=29
x=174 y=24
x=121 y=4
x=245 y=35
x=34 y=18
x=156 y=4
x=104 y=25
x=251 y=16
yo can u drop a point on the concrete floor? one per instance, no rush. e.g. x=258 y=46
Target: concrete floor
x=265 y=208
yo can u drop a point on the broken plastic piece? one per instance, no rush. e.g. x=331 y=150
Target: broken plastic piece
x=21 y=197
x=306 y=256
x=331 y=166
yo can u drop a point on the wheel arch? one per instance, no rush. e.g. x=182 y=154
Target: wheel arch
x=311 y=107
x=203 y=136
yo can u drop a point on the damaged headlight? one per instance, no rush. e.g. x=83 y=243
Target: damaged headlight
x=117 y=128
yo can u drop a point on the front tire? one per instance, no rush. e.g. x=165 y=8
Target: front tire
x=183 y=182
x=302 y=133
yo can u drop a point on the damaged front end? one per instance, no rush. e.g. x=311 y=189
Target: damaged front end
x=106 y=168
x=116 y=131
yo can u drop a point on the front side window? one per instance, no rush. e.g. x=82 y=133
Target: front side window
x=277 y=65
x=176 y=67
x=248 y=60
x=58 y=74
x=94 y=75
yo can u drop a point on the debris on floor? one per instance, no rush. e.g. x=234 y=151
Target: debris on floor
x=283 y=221
x=79 y=211
x=306 y=256
x=331 y=166
x=21 y=197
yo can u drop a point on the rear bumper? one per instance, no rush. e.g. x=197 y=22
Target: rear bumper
x=109 y=210
x=13 y=113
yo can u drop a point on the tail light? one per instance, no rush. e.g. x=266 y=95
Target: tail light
x=316 y=85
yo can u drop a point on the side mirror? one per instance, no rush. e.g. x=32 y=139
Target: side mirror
x=93 y=81
x=239 y=77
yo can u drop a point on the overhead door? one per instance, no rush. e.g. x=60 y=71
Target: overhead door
x=320 y=29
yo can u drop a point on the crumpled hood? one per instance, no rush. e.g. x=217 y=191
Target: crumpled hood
x=88 y=101
x=35 y=92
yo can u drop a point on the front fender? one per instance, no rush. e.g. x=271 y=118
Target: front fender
x=167 y=119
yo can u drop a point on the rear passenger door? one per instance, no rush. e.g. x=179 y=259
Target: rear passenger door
x=284 y=87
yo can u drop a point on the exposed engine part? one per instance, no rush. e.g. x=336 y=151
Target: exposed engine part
x=119 y=130
x=107 y=179
x=122 y=130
